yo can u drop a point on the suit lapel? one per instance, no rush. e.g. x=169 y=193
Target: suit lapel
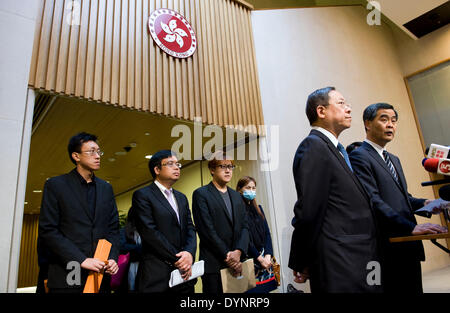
x=162 y=199
x=400 y=175
x=98 y=199
x=181 y=210
x=234 y=204
x=374 y=154
x=75 y=183
x=220 y=200
x=341 y=160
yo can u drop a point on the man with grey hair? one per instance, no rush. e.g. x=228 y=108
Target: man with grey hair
x=382 y=175
x=334 y=237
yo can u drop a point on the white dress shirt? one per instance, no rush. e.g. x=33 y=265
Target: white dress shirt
x=377 y=147
x=329 y=135
x=163 y=190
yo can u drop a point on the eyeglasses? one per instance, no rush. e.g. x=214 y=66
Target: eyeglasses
x=227 y=167
x=93 y=152
x=172 y=164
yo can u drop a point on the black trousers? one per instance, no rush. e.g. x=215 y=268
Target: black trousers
x=212 y=283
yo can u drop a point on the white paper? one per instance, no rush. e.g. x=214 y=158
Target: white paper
x=198 y=269
x=433 y=204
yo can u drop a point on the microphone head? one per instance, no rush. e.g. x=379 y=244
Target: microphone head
x=431 y=165
x=444 y=192
x=423 y=161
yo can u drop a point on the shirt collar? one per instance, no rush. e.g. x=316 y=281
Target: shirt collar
x=377 y=147
x=161 y=187
x=327 y=133
x=81 y=178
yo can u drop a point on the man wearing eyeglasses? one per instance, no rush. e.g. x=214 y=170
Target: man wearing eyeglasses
x=221 y=221
x=77 y=210
x=164 y=222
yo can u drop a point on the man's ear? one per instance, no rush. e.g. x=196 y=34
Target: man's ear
x=75 y=157
x=157 y=170
x=320 y=110
x=367 y=125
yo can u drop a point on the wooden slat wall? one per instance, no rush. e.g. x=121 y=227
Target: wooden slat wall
x=110 y=57
x=28 y=263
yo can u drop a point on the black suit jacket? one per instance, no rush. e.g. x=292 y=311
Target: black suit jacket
x=218 y=232
x=162 y=236
x=69 y=230
x=393 y=204
x=335 y=230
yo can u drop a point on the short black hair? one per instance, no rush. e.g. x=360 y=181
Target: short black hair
x=353 y=146
x=371 y=111
x=156 y=159
x=77 y=141
x=318 y=97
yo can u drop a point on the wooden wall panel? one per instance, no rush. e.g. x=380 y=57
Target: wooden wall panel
x=110 y=57
x=28 y=263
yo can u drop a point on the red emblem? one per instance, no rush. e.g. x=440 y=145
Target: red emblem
x=172 y=33
x=444 y=167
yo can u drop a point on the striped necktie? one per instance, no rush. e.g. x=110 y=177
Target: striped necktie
x=389 y=164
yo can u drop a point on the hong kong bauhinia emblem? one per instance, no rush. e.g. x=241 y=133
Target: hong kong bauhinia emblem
x=172 y=33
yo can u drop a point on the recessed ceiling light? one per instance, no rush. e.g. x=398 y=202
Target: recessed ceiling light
x=148 y=156
x=26 y=202
x=133 y=144
x=37 y=191
x=111 y=159
x=120 y=153
x=147 y=134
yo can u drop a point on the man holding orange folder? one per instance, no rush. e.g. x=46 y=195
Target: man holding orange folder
x=78 y=209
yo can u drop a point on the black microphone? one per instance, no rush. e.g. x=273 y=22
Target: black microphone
x=436 y=182
x=444 y=192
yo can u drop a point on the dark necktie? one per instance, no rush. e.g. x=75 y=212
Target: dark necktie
x=389 y=164
x=345 y=154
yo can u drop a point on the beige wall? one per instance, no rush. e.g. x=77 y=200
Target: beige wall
x=416 y=55
x=316 y=47
x=17 y=21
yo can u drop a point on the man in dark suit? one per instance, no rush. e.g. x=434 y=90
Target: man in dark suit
x=77 y=210
x=221 y=220
x=382 y=175
x=163 y=220
x=334 y=239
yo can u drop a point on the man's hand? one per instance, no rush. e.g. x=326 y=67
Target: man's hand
x=237 y=269
x=428 y=228
x=187 y=274
x=233 y=258
x=111 y=268
x=184 y=262
x=301 y=277
x=92 y=264
x=437 y=209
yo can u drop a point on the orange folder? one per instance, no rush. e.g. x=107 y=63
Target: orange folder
x=94 y=279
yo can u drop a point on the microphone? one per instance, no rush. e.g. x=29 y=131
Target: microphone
x=444 y=192
x=440 y=166
x=431 y=165
x=438 y=152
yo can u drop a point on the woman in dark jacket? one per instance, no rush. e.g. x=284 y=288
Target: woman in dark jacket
x=260 y=246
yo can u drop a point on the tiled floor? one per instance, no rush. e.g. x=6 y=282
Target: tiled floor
x=437 y=281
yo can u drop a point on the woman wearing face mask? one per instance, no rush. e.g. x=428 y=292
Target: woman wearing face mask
x=260 y=246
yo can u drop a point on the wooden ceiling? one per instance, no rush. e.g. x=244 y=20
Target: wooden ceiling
x=286 y=4
x=115 y=127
